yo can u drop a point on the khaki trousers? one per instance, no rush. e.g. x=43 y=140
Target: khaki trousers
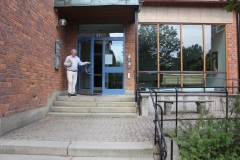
x=72 y=80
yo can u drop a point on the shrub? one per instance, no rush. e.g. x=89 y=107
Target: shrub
x=210 y=138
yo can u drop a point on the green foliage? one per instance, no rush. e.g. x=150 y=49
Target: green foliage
x=233 y=4
x=209 y=138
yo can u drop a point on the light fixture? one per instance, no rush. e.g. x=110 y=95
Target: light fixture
x=62 y=23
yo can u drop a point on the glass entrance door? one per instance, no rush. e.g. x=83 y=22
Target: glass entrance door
x=86 y=73
x=113 y=66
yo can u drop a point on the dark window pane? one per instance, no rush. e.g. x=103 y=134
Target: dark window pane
x=101 y=30
x=114 y=80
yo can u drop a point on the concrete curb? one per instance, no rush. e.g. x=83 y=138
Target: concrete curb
x=111 y=149
x=83 y=149
x=56 y=148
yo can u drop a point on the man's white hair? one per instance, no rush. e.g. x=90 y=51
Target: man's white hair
x=73 y=50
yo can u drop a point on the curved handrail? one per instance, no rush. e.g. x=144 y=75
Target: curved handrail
x=159 y=127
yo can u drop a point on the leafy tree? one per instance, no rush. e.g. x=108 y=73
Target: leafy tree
x=169 y=42
x=233 y=4
x=147 y=35
x=192 y=58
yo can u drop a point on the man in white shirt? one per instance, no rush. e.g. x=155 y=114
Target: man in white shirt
x=72 y=61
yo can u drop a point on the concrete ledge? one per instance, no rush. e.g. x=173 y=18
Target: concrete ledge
x=144 y=103
x=111 y=149
x=31 y=157
x=55 y=148
x=16 y=121
x=109 y=158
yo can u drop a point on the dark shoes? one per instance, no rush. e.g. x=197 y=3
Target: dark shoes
x=69 y=95
x=73 y=95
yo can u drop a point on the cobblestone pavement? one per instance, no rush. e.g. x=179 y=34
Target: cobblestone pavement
x=86 y=129
x=137 y=129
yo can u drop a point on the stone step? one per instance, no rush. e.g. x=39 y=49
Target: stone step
x=78 y=149
x=44 y=157
x=110 y=158
x=100 y=98
x=32 y=157
x=94 y=104
x=55 y=148
x=111 y=149
x=93 y=109
x=95 y=115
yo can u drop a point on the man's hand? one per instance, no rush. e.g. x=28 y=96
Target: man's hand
x=70 y=62
x=88 y=62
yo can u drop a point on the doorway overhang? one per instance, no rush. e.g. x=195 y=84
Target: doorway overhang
x=92 y=11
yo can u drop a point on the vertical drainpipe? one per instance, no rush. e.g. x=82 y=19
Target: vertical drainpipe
x=136 y=48
x=238 y=41
x=136 y=42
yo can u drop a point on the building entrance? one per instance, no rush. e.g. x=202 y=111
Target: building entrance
x=105 y=51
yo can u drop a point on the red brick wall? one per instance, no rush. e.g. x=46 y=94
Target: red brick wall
x=130 y=50
x=232 y=53
x=27 y=49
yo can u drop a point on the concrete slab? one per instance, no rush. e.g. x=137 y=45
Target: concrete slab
x=93 y=109
x=34 y=147
x=94 y=104
x=111 y=149
x=94 y=115
x=99 y=98
x=110 y=158
x=31 y=157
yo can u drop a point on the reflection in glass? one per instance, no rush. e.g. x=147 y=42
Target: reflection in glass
x=215 y=80
x=193 y=80
x=192 y=47
x=114 y=53
x=114 y=81
x=215 y=48
x=84 y=78
x=170 y=80
x=147 y=35
x=148 y=80
x=169 y=47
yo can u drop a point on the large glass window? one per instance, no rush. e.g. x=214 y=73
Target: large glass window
x=215 y=54
x=192 y=46
x=185 y=55
x=169 y=38
x=147 y=35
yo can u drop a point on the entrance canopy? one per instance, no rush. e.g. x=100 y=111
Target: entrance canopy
x=87 y=11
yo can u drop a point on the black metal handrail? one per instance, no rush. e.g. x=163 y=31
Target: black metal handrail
x=159 y=135
x=159 y=122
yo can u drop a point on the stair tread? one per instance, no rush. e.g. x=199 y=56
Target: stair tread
x=45 y=157
x=90 y=107
x=93 y=113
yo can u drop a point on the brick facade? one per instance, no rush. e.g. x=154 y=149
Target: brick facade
x=232 y=54
x=27 y=50
x=130 y=50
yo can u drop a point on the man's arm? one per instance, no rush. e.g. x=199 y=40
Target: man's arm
x=82 y=63
x=66 y=62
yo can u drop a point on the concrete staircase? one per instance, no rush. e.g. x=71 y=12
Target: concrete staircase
x=115 y=106
x=51 y=150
